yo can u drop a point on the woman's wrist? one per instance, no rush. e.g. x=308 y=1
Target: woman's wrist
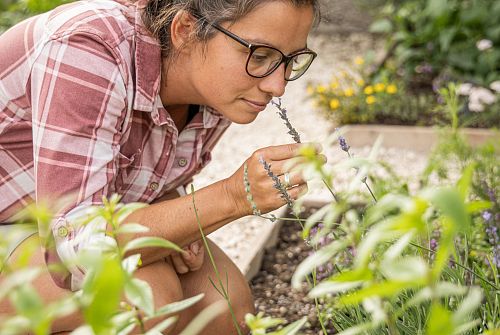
x=235 y=197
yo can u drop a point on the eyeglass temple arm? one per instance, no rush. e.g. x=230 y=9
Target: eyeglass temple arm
x=222 y=30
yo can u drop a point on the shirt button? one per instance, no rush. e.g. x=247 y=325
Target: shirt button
x=153 y=186
x=182 y=162
x=62 y=231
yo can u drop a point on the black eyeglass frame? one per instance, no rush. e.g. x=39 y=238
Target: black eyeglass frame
x=284 y=58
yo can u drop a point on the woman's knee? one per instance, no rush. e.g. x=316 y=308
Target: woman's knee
x=164 y=282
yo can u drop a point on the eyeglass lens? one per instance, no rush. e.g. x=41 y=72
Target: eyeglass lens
x=264 y=60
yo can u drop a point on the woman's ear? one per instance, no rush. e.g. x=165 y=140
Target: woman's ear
x=182 y=30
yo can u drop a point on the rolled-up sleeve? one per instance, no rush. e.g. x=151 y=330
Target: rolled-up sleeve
x=79 y=103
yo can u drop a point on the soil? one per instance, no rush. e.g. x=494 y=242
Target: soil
x=271 y=286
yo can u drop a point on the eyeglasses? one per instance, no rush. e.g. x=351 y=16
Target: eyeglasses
x=264 y=60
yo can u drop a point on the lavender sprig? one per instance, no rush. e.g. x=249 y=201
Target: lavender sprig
x=277 y=183
x=282 y=112
x=295 y=135
x=246 y=182
x=345 y=147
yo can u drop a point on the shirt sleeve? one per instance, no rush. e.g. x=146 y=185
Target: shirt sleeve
x=79 y=103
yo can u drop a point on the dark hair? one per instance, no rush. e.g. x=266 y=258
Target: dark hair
x=159 y=14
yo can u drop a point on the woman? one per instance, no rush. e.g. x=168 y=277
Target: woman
x=102 y=97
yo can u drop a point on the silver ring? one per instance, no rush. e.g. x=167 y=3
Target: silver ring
x=286 y=180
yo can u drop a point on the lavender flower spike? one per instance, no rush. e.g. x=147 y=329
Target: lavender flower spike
x=282 y=113
x=342 y=142
x=277 y=183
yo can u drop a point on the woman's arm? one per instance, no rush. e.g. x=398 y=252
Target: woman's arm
x=216 y=204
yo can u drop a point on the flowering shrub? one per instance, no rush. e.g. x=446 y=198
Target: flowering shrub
x=353 y=97
x=349 y=98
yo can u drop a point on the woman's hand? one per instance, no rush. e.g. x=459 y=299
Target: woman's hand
x=266 y=197
x=191 y=259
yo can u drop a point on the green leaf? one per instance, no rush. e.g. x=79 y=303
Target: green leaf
x=384 y=289
x=18 y=278
x=131 y=263
x=258 y=323
x=451 y=205
x=436 y=8
x=407 y=269
x=178 y=306
x=131 y=228
x=105 y=289
x=320 y=257
x=446 y=36
x=28 y=303
x=314 y=218
x=467 y=306
x=293 y=328
x=477 y=206
x=140 y=294
x=465 y=181
x=204 y=317
x=397 y=248
x=442 y=290
x=439 y=321
x=331 y=287
x=160 y=327
x=360 y=329
x=382 y=26
x=147 y=242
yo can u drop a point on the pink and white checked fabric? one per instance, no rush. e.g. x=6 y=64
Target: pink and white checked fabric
x=80 y=115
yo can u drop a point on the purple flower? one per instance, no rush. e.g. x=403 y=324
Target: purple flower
x=433 y=244
x=487 y=216
x=343 y=144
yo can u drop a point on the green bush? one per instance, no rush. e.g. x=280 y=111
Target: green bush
x=455 y=38
x=14 y=11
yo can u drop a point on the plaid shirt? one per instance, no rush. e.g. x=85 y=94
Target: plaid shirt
x=80 y=115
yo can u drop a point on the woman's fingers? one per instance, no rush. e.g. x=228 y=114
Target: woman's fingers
x=285 y=151
x=191 y=259
x=179 y=264
x=194 y=255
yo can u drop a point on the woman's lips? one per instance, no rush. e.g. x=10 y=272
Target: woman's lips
x=259 y=106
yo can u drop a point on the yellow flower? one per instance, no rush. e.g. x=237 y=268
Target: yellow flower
x=359 y=60
x=371 y=99
x=360 y=82
x=349 y=92
x=343 y=74
x=380 y=87
x=392 y=89
x=368 y=90
x=321 y=89
x=334 y=103
x=310 y=89
x=334 y=84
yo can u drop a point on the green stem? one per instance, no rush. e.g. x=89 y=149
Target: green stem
x=209 y=252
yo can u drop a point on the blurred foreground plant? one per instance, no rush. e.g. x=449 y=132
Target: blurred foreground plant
x=111 y=300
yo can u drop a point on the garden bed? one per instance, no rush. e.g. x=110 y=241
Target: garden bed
x=271 y=285
x=419 y=139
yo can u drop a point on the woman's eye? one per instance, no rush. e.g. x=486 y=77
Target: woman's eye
x=259 y=58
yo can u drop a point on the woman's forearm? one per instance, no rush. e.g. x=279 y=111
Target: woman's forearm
x=175 y=219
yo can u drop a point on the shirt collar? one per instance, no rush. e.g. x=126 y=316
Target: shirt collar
x=147 y=63
x=206 y=117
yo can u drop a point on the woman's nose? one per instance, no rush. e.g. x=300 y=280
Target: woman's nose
x=274 y=83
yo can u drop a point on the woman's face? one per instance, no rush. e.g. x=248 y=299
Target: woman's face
x=219 y=77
